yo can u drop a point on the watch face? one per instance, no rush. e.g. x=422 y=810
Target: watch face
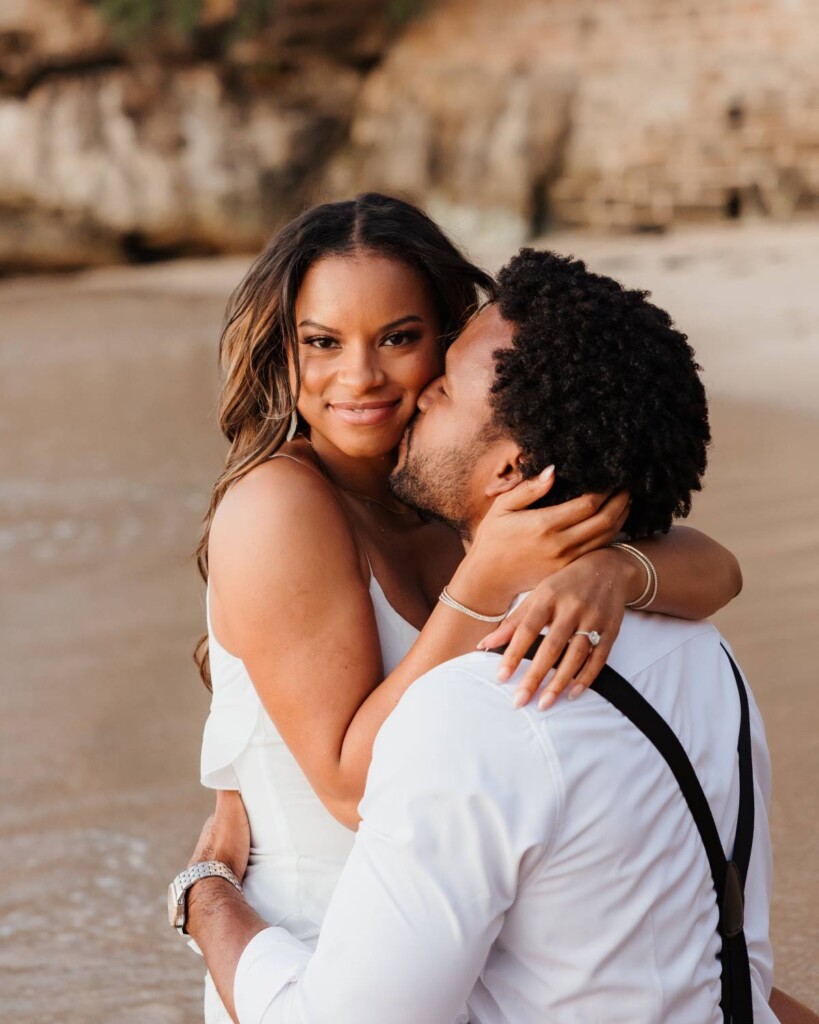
x=174 y=910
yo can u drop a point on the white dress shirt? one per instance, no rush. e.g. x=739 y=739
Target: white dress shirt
x=534 y=866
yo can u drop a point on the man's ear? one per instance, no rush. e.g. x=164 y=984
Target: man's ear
x=507 y=473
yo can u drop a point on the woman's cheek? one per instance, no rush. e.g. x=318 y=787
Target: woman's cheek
x=425 y=369
x=312 y=379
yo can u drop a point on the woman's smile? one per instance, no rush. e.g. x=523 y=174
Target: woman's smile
x=365 y=414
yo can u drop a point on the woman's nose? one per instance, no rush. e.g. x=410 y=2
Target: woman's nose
x=361 y=370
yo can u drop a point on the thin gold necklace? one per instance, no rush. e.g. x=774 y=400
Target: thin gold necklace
x=375 y=501
x=403 y=511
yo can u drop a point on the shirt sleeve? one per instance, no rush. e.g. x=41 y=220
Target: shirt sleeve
x=444 y=843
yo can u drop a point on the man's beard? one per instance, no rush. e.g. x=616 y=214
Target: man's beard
x=436 y=484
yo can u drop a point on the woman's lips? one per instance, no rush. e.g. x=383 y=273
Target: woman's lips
x=365 y=414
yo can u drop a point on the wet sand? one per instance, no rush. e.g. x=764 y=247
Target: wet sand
x=107 y=385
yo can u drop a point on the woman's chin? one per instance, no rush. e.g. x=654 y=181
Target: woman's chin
x=361 y=440
x=369 y=448
x=364 y=442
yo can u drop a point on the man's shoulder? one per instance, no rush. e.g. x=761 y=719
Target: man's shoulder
x=646 y=640
x=457 y=718
x=459 y=705
x=456 y=740
x=458 y=697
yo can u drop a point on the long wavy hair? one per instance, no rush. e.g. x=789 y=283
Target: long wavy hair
x=259 y=339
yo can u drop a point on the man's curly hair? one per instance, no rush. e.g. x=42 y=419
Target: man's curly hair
x=600 y=384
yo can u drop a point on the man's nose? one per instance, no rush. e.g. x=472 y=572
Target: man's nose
x=361 y=369
x=427 y=396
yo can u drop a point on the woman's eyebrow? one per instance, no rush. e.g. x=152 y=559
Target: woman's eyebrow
x=321 y=327
x=412 y=318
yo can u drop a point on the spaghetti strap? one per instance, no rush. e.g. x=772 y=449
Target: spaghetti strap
x=301 y=462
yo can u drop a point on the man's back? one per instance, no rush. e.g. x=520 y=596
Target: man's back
x=603 y=892
x=537 y=866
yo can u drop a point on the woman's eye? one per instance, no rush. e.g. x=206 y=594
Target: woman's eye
x=320 y=341
x=401 y=338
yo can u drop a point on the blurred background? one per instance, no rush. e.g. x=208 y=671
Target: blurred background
x=147 y=149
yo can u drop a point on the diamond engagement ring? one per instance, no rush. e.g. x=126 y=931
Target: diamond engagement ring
x=591 y=635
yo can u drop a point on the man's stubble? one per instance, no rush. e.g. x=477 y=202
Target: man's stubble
x=436 y=483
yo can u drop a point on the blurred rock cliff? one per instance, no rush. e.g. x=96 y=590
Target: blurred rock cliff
x=128 y=140
x=202 y=136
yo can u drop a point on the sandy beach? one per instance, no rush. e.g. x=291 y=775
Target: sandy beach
x=109 y=448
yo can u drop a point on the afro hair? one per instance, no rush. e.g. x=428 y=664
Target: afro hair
x=599 y=383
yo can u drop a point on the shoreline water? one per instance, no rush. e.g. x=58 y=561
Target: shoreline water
x=110 y=446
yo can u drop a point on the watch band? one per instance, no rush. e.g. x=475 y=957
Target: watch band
x=178 y=889
x=207 y=869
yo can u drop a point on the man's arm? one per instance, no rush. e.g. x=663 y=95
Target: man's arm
x=435 y=866
x=222 y=923
x=218 y=918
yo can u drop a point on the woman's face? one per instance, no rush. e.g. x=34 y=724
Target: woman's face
x=368 y=344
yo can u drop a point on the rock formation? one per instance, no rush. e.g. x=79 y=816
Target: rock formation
x=112 y=151
x=623 y=114
x=626 y=114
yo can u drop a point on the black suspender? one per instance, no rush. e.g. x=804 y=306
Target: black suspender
x=728 y=875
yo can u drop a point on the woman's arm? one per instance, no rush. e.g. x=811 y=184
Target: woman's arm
x=696 y=575
x=288 y=596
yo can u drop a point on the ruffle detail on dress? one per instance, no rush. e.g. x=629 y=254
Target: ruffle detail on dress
x=234 y=715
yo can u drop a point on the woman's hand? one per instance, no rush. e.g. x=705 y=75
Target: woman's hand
x=516 y=546
x=590 y=594
x=225 y=835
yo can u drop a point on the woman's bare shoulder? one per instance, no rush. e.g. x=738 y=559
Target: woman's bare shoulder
x=282 y=510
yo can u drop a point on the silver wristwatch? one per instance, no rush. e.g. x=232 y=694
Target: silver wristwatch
x=178 y=889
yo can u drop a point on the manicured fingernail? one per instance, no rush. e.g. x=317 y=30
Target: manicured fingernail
x=504 y=673
x=547 y=472
x=480 y=646
x=520 y=698
x=547 y=700
x=576 y=691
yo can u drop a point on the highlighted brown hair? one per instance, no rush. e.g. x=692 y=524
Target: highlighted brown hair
x=258 y=344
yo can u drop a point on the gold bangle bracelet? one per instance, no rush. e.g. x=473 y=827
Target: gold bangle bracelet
x=646 y=599
x=446 y=598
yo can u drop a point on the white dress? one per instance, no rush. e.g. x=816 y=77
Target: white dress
x=297 y=848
